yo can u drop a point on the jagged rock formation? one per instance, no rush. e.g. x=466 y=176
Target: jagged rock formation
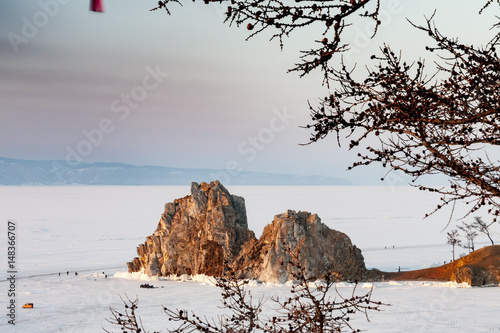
x=320 y=250
x=199 y=233
x=195 y=234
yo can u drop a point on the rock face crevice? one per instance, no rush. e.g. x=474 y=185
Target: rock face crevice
x=207 y=231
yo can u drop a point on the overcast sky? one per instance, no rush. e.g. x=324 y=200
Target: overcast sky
x=185 y=90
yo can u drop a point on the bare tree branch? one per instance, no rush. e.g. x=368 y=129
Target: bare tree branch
x=425 y=125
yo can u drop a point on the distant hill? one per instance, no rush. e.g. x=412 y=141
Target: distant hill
x=481 y=267
x=53 y=172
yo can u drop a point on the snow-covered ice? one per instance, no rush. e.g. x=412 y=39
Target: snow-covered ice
x=95 y=229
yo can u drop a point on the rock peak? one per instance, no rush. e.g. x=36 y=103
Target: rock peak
x=195 y=234
x=322 y=250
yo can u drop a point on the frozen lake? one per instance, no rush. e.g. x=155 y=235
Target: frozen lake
x=96 y=229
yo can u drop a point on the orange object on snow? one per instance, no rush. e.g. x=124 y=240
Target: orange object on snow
x=28 y=306
x=96 y=6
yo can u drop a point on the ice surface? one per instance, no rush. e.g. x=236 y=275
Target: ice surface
x=93 y=230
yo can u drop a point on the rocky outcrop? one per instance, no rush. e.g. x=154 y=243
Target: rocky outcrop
x=477 y=276
x=319 y=249
x=481 y=267
x=478 y=268
x=195 y=234
x=207 y=231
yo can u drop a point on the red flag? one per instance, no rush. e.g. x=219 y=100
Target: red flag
x=96 y=6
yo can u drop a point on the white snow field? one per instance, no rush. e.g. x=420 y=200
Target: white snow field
x=95 y=229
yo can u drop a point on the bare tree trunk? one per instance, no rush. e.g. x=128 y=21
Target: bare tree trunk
x=491 y=240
